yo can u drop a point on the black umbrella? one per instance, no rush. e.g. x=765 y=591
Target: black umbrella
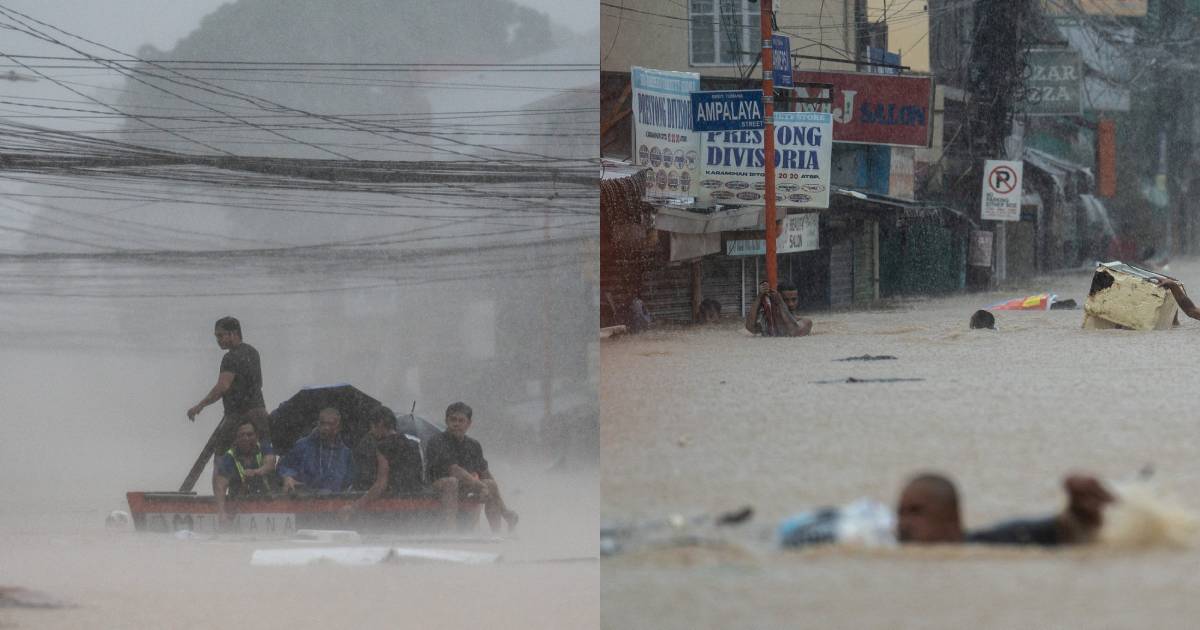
x=296 y=417
x=417 y=426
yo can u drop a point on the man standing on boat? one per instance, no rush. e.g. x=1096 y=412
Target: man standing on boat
x=239 y=388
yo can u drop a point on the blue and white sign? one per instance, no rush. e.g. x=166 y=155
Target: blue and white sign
x=662 y=131
x=781 y=61
x=731 y=163
x=800 y=233
x=727 y=110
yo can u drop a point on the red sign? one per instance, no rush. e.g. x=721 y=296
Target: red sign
x=872 y=108
x=1106 y=158
x=1002 y=180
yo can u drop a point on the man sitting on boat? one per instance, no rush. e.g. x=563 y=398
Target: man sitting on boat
x=397 y=462
x=247 y=468
x=457 y=468
x=320 y=461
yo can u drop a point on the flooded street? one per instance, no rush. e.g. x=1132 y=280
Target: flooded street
x=702 y=420
x=102 y=357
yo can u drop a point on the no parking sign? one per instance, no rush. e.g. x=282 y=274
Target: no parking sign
x=1001 y=197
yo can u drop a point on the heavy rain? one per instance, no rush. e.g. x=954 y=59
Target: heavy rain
x=941 y=380
x=397 y=197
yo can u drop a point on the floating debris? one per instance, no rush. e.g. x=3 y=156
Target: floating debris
x=118 y=519
x=851 y=379
x=365 y=556
x=870 y=357
x=675 y=530
x=1039 y=302
x=329 y=536
x=17 y=597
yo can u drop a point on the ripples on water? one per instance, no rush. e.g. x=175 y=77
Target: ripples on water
x=731 y=420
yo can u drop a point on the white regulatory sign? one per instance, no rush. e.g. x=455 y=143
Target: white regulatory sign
x=1001 y=196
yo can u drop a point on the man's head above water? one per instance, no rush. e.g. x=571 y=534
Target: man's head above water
x=928 y=511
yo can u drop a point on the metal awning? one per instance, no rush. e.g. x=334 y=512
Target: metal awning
x=1057 y=168
x=618 y=169
x=689 y=222
x=855 y=199
x=1097 y=213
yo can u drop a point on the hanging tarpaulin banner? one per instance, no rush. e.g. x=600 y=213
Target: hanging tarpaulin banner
x=662 y=130
x=731 y=171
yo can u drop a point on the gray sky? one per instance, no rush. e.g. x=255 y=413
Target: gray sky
x=124 y=25
x=128 y=24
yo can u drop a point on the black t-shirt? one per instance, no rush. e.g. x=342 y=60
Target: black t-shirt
x=364 y=463
x=1042 y=531
x=403 y=456
x=444 y=451
x=246 y=392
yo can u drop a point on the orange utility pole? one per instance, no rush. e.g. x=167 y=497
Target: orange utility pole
x=768 y=97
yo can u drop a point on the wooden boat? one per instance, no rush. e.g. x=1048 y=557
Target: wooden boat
x=284 y=514
x=169 y=512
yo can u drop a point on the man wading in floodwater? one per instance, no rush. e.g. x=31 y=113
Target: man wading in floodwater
x=929 y=513
x=239 y=387
x=773 y=313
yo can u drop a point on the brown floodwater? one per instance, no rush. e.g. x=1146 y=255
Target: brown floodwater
x=706 y=419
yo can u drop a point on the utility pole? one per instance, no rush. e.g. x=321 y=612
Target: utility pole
x=1169 y=95
x=768 y=97
x=995 y=80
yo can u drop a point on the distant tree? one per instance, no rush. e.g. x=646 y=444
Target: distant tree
x=364 y=31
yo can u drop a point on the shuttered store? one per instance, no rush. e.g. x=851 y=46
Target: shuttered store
x=721 y=281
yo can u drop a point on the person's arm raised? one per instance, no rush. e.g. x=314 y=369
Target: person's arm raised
x=1181 y=297
x=1084 y=514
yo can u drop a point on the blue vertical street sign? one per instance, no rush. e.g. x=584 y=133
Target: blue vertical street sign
x=781 y=59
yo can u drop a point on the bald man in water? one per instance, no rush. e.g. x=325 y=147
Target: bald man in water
x=929 y=513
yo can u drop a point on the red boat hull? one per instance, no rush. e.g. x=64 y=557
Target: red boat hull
x=174 y=511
